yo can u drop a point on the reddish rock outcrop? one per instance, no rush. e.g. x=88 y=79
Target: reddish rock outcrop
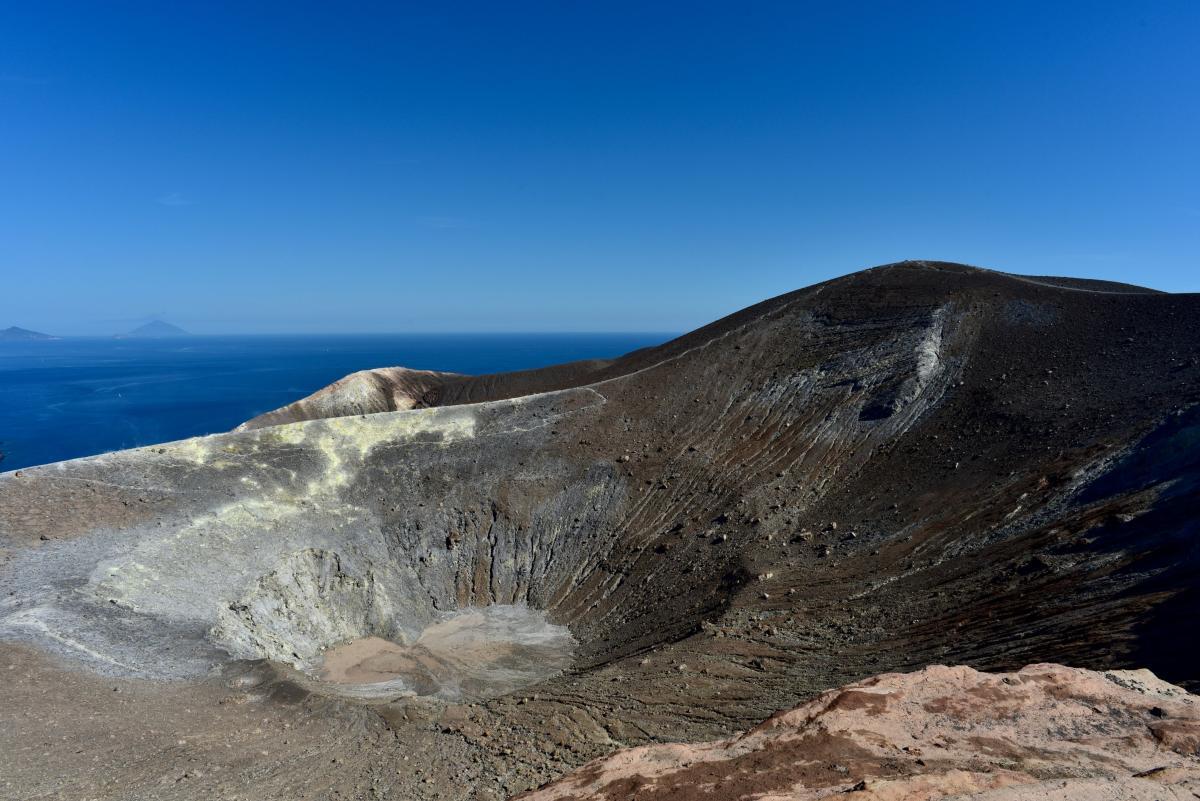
x=385 y=389
x=1046 y=732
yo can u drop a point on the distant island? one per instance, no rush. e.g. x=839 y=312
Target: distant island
x=156 y=329
x=15 y=334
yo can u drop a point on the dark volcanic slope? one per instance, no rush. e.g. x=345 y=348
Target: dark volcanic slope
x=918 y=463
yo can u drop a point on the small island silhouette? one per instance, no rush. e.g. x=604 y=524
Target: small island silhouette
x=156 y=329
x=15 y=334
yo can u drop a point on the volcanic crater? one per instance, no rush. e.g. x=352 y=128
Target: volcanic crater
x=424 y=584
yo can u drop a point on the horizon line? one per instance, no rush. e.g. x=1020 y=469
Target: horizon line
x=192 y=335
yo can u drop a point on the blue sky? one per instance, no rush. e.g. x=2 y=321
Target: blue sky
x=518 y=166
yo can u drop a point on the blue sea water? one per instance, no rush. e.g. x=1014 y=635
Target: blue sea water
x=75 y=397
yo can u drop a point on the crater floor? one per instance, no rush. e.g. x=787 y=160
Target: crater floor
x=469 y=654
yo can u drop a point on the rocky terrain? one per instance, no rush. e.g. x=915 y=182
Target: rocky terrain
x=386 y=389
x=923 y=463
x=1045 y=732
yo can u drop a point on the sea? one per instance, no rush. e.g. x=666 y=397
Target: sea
x=75 y=396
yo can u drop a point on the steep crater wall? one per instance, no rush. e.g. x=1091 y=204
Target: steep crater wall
x=282 y=542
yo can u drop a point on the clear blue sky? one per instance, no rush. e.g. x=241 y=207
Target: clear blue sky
x=575 y=166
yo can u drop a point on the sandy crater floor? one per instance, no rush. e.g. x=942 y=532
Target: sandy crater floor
x=472 y=653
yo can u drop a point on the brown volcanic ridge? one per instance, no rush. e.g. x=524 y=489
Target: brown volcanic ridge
x=425 y=585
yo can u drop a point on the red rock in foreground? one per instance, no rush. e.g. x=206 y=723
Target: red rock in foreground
x=1046 y=732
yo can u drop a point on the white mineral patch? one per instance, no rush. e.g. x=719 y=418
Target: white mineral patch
x=189 y=572
x=929 y=349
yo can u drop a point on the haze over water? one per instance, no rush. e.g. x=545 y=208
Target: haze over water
x=77 y=397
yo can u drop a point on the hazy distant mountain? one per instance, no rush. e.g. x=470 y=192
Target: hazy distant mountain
x=157 y=328
x=13 y=334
